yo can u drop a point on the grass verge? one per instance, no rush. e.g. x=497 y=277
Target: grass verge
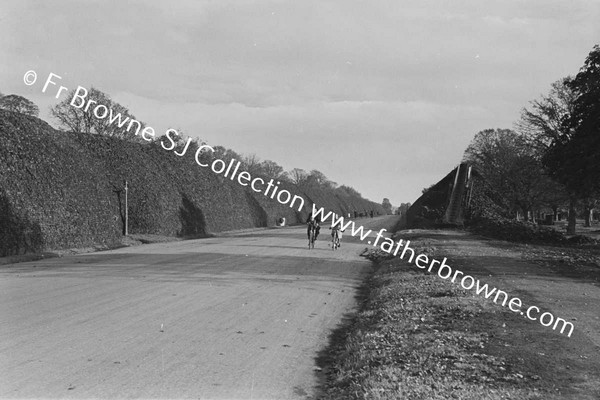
x=419 y=337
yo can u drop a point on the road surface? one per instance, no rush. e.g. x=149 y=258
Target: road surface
x=241 y=316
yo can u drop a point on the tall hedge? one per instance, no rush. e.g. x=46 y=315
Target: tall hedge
x=62 y=190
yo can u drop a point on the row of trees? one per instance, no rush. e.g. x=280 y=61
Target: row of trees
x=552 y=157
x=270 y=169
x=20 y=104
x=72 y=119
x=82 y=120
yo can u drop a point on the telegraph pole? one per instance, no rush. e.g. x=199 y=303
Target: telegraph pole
x=126 y=213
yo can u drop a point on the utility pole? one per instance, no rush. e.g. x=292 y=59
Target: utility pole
x=126 y=213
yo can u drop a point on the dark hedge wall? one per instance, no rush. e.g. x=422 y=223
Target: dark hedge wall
x=61 y=190
x=428 y=210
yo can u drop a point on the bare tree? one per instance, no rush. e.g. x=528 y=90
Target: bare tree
x=252 y=164
x=298 y=176
x=542 y=123
x=83 y=120
x=319 y=179
x=551 y=125
x=19 y=104
x=387 y=206
x=273 y=170
x=509 y=164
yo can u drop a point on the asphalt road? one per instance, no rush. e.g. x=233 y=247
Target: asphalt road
x=242 y=316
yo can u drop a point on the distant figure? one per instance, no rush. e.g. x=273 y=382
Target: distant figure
x=355 y=214
x=336 y=236
x=312 y=223
x=371 y=213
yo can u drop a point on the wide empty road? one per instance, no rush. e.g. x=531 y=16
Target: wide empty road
x=240 y=316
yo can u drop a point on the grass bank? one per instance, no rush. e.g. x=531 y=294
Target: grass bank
x=417 y=336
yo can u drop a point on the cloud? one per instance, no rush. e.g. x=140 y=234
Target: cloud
x=369 y=138
x=381 y=89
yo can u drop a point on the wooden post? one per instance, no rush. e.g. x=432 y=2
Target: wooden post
x=126 y=212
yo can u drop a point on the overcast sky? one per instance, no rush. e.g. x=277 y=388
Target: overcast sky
x=383 y=96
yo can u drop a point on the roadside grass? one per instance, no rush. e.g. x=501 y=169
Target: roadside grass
x=419 y=337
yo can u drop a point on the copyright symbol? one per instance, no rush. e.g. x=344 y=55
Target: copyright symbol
x=30 y=77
